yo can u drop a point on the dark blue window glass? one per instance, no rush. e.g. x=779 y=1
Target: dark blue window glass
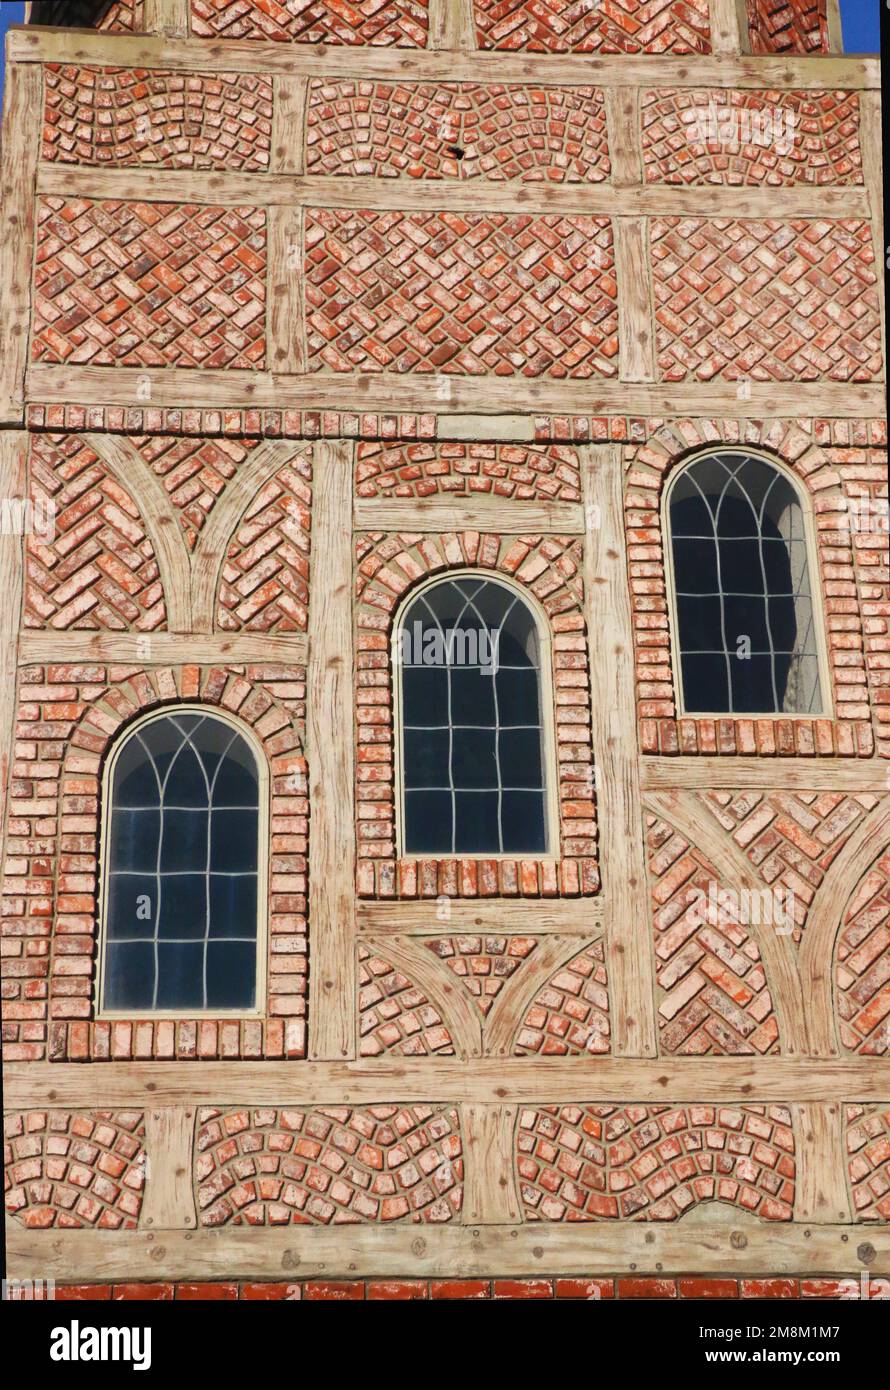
x=746 y=635
x=469 y=663
x=182 y=872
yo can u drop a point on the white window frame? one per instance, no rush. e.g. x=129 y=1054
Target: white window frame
x=549 y=761
x=814 y=574
x=105 y=812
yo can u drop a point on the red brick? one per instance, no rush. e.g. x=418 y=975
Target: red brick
x=459 y=1288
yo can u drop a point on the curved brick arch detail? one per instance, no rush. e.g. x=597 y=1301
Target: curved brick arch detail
x=537 y=472
x=483 y=964
x=264 y=583
x=448 y=130
x=713 y=991
x=867 y=1139
x=97 y=567
x=569 y=1015
x=395 y=1015
x=862 y=964
x=648 y=466
x=399 y=23
x=69 y=1168
x=124 y=116
x=81 y=710
x=653 y=1163
x=715 y=135
x=194 y=472
x=570 y=26
x=329 y=1166
x=550 y=567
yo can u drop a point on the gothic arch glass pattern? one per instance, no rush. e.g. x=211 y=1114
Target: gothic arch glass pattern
x=181 y=868
x=745 y=631
x=468 y=655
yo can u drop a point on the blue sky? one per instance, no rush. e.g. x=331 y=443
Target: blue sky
x=859 y=17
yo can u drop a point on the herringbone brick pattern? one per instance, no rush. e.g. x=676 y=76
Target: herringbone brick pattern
x=467 y=294
x=323 y=1167
x=394 y=1015
x=778 y=139
x=551 y=568
x=868 y=1146
x=402 y=23
x=791 y=839
x=69 y=1168
x=569 y=1016
x=149 y=284
x=765 y=300
x=713 y=995
x=121 y=16
x=483 y=964
x=457 y=130
x=521 y=471
x=574 y=26
x=118 y=116
x=788 y=26
x=194 y=472
x=98 y=570
x=862 y=965
x=653 y=1163
x=265 y=575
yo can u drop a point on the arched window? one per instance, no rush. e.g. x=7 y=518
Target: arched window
x=746 y=631
x=181 y=867
x=470 y=664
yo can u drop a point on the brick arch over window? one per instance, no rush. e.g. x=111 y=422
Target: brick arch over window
x=849 y=732
x=653 y=1163
x=103 y=709
x=550 y=568
x=543 y=472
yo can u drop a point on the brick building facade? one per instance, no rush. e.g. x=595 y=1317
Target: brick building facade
x=306 y=307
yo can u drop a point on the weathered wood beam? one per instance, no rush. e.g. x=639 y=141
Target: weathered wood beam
x=554 y=1080
x=332 y=191
x=734 y=1246
x=572 y=916
x=780 y=774
x=163 y=648
x=36 y=45
x=22 y=122
x=393 y=392
x=474 y=513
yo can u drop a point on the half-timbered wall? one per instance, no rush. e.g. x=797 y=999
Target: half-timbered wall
x=287 y=331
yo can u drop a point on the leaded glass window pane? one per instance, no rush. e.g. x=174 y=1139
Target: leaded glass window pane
x=746 y=631
x=182 y=868
x=469 y=661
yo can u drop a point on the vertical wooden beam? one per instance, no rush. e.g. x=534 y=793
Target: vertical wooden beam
x=13 y=449
x=623 y=131
x=330 y=740
x=285 y=316
x=452 y=25
x=636 y=314
x=835 y=28
x=168 y=17
x=822 y=1192
x=490 y=1196
x=289 y=101
x=870 y=136
x=22 y=125
x=169 y=1202
x=728 y=23
x=616 y=757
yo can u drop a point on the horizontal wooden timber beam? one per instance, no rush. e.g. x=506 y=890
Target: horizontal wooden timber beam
x=478 y=195
x=792 y=774
x=413 y=393
x=42 y=45
x=738 y=1245
x=473 y=513
x=571 y=917
x=162 y=648
x=486 y=1080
